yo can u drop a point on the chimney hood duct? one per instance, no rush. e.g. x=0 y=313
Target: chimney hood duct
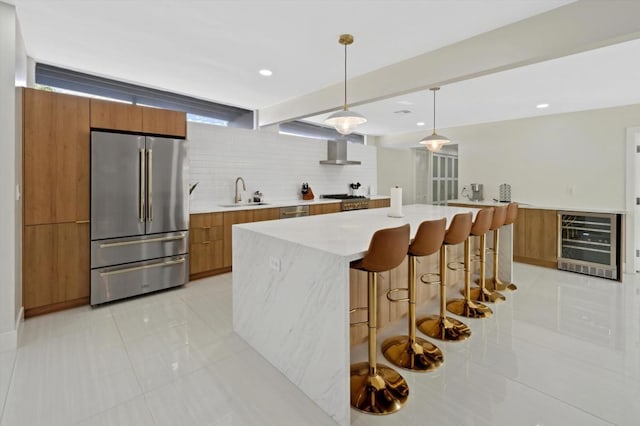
x=337 y=154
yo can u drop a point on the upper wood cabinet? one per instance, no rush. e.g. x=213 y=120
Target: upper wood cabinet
x=56 y=157
x=135 y=118
x=115 y=116
x=164 y=122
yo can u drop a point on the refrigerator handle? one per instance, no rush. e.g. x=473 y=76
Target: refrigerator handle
x=149 y=185
x=142 y=188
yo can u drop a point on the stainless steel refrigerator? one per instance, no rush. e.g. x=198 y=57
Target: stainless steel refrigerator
x=139 y=215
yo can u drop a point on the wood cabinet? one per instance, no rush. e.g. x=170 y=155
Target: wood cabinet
x=56 y=157
x=164 y=122
x=535 y=238
x=134 y=118
x=232 y=218
x=55 y=267
x=115 y=116
x=376 y=204
x=260 y=215
x=206 y=239
x=324 y=208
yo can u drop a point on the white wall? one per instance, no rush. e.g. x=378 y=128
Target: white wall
x=566 y=160
x=395 y=168
x=9 y=229
x=275 y=164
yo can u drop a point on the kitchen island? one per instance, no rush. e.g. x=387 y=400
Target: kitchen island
x=291 y=292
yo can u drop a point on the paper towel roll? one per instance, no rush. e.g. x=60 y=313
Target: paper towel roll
x=396 y=202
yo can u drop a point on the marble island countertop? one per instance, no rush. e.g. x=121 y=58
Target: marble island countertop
x=491 y=203
x=221 y=206
x=348 y=234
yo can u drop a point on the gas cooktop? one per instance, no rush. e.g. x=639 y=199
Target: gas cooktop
x=344 y=197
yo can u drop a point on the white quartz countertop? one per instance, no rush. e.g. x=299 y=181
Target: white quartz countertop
x=348 y=233
x=491 y=203
x=220 y=206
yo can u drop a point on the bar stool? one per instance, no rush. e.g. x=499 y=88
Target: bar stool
x=494 y=283
x=376 y=388
x=411 y=352
x=482 y=294
x=466 y=307
x=441 y=326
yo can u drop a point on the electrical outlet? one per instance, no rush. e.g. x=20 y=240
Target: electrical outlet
x=274 y=263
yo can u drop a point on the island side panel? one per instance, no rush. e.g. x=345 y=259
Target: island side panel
x=295 y=317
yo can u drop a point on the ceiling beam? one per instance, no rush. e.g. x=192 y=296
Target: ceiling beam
x=573 y=28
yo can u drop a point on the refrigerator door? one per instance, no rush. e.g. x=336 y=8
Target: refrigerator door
x=117 y=185
x=167 y=180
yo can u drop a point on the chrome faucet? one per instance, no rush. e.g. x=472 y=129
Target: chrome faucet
x=238 y=198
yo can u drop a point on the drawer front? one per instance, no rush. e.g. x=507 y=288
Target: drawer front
x=133 y=249
x=131 y=279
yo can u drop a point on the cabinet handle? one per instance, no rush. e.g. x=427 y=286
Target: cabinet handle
x=80 y=222
x=139 y=268
x=150 y=240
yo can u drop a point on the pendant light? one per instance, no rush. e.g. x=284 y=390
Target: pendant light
x=345 y=121
x=434 y=142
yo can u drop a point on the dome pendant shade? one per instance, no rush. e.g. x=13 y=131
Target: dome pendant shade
x=434 y=142
x=345 y=121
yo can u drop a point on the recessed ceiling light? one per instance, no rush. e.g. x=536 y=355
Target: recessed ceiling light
x=402 y=111
x=265 y=72
x=404 y=103
x=420 y=123
x=541 y=106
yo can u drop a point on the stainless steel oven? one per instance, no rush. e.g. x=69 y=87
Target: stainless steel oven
x=587 y=243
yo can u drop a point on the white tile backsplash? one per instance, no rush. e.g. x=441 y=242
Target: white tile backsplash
x=273 y=163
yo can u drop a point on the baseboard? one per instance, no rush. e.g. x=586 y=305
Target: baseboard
x=9 y=339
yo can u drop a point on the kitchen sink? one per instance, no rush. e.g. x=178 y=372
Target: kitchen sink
x=243 y=204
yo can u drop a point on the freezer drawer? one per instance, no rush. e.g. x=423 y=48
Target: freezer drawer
x=141 y=247
x=131 y=279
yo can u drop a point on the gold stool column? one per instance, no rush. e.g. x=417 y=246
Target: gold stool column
x=482 y=294
x=411 y=352
x=466 y=307
x=494 y=283
x=441 y=326
x=376 y=388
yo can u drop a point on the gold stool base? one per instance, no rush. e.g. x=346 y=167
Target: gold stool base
x=384 y=393
x=483 y=295
x=420 y=355
x=448 y=329
x=469 y=309
x=499 y=286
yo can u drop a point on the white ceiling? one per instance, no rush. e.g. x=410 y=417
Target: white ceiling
x=214 y=49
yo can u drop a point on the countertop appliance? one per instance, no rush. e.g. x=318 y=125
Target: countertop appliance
x=476 y=192
x=350 y=202
x=587 y=243
x=139 y=215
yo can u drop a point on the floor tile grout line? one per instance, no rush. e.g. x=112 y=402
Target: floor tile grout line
x=11 y=384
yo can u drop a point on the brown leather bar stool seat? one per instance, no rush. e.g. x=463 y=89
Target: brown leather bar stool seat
x=494 y=283
x=411 y=352
x=376 y=388
x=441 y=326
x=467 y=307
x=481 y=293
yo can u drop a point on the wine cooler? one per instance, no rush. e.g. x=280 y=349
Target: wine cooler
x=587 y=243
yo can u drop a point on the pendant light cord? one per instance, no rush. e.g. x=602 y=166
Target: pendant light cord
x=434 y=112
x=345 y=77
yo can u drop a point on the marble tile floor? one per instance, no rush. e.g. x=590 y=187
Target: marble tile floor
x=563 y=350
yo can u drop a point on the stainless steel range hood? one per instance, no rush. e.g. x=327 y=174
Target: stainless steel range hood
x=337 y=154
